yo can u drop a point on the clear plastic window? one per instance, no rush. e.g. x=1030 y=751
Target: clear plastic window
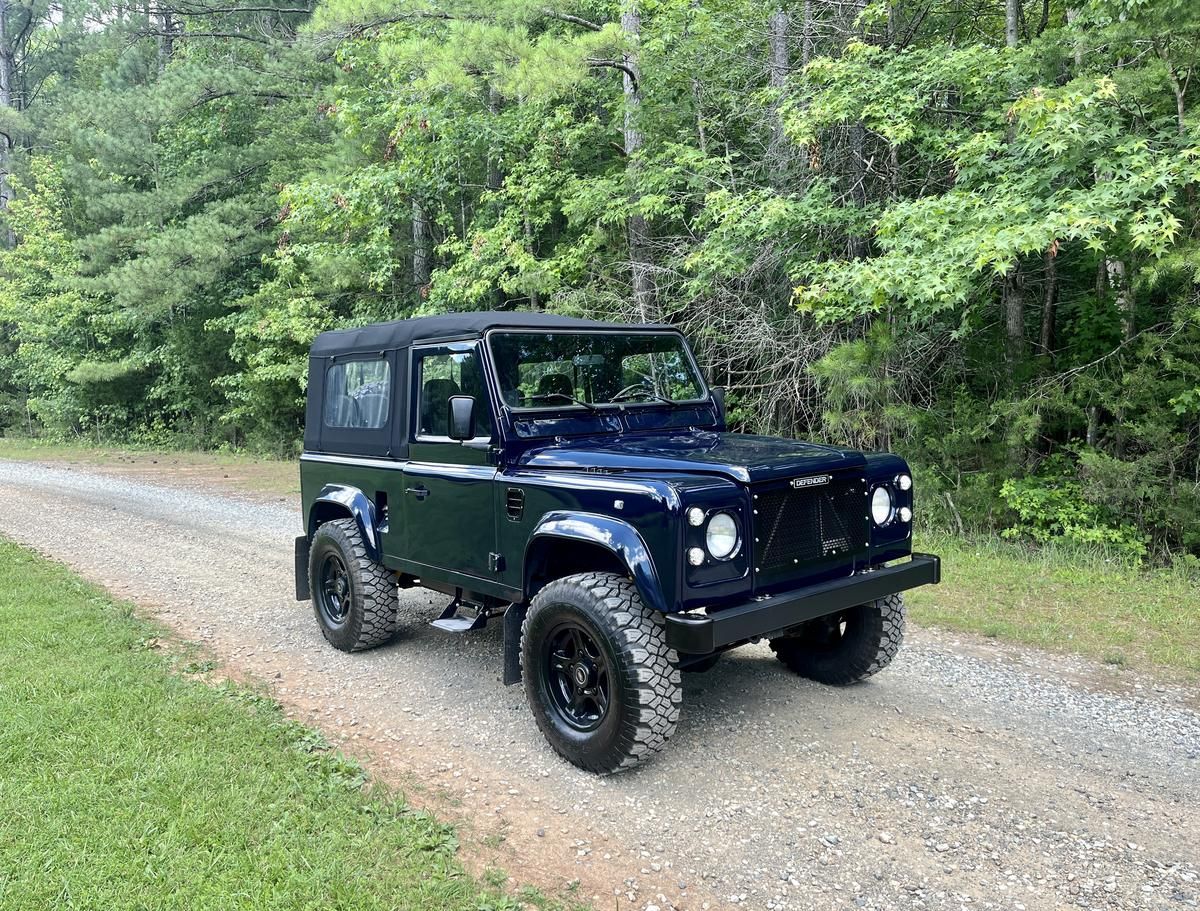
x=358 y=394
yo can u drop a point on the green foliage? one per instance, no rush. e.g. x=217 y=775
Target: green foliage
x=1055 y=504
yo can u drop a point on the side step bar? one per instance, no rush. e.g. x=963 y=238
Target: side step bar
x=451 y=622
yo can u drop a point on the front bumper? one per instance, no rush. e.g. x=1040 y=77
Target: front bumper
x=694 y=634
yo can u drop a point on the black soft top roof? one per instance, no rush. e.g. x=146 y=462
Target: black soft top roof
x=405 y=332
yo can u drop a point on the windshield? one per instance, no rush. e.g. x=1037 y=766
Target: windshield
x=586 y=369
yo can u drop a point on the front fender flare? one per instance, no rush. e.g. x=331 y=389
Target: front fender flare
x=614 y=535
x=360 y=508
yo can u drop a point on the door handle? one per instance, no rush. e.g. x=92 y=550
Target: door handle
x=419 y=492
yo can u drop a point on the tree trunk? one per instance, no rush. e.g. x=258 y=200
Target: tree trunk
x=806 y=43
x=1012 y=21
x=494 y=178
x=422 y=256
x=698 y=100
x=7 y=71
x=858 y=181
x=1046 y=338
x=1072 y=15
x=1014 y=290
x=1178 y=86
x=1118 y=281
x=166 y=39
x=857 y=141
x=1014 y=318
x=535 y=296
x=638 y=229
x=777 y=45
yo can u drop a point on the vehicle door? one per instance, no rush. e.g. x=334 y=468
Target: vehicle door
x=449 y=506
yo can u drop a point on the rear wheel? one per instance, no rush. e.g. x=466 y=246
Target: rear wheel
x=845 y=647
x=354 y=598
x=599 y=677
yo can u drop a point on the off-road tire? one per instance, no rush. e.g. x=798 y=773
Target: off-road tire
x=646 y=693
x=869 y=641
x=370 y=619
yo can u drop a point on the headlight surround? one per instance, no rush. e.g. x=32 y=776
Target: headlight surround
x=882 y=505
x=722 y=537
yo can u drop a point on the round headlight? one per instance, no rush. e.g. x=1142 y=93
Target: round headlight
x=881 y=506
x=905 y=514
x=904 y=481
x=695 y=516
x=722 y=536
x=695 y=556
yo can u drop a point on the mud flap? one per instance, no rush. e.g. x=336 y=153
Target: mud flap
x=303 y=593
x=514 y=617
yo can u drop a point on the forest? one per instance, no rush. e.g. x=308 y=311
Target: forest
x=963 y=230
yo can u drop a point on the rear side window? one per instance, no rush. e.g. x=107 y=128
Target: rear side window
x=358 y=394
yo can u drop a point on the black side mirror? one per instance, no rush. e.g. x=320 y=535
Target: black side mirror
x=462 y=417
x=718 y=397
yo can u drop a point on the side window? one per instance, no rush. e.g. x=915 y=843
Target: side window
x=358 y=394
x=440 y=373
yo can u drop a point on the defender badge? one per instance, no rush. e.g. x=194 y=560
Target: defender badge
x=815 y=481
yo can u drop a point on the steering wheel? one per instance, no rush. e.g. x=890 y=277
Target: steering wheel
x=636 y=387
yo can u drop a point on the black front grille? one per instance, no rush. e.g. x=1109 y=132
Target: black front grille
x=794 y=526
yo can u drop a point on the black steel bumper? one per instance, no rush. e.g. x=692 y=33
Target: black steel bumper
x=698 y=635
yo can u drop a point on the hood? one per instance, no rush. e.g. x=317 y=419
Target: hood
x=740 y=456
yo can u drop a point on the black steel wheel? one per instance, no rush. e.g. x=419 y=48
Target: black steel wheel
x=601 y=682
x=354 y=598
x=845 y=647
x=334 y=596
x=578 y=675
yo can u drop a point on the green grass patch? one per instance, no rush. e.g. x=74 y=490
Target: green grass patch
x=1076 y=600
x=127 y=784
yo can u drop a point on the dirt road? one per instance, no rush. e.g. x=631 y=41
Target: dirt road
x=967 y=775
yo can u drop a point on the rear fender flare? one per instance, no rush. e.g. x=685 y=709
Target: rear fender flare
x=614 y=535
x=347 y=502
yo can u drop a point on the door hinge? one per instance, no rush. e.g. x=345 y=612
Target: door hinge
x=496 y=563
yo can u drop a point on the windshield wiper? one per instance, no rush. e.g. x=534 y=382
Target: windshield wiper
x=562 y=395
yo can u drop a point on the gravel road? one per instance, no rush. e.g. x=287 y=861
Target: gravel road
x=968 y=775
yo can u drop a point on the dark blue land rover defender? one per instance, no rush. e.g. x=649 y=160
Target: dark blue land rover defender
x=576 y=480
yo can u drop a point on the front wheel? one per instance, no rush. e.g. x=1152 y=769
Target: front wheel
x=845 y=647
x=602 y=683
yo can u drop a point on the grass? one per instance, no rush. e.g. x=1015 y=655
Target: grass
x=1065 y=600
x=128 y=784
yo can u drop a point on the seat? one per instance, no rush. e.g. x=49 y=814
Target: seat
x=435 y=408
x=372 y=409
x=556 y=384
x=340 y=411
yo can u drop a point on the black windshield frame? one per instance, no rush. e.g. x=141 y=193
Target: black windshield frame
x=494 y=362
